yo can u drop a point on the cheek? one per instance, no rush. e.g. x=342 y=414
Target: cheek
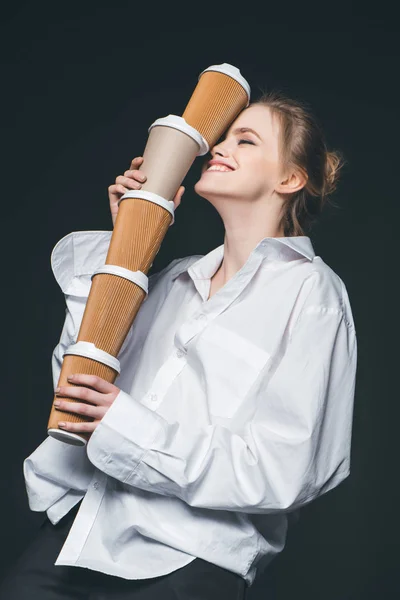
x=266 y=169
x=255 y=167
x=259 y=176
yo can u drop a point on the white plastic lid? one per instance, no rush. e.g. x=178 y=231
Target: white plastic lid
x=67 y=436
x=89 y=350
x=137 y=277
x=180 y=124
x=152 y=197
x=233 y=72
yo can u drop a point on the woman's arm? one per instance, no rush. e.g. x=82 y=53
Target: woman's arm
x=58 y=474
x=296 y=447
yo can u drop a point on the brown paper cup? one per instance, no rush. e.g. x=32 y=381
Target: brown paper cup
x=220 y=95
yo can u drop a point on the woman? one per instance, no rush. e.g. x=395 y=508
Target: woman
x=234 y=404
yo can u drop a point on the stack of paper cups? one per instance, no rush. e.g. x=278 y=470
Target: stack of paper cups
x=120 y=285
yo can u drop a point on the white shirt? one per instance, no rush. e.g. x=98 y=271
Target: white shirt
x=233 y=412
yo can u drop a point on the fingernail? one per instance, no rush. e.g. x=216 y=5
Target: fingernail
x=56 y=403
x=70 y=377
x=57 y=390
x=62 y=424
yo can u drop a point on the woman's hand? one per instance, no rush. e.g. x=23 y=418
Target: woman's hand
x=100 y=399
x=132 y=180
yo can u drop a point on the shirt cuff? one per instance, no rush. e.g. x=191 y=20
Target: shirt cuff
x=124 y=435
x=59 y=509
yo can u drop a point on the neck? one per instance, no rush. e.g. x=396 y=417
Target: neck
x=245 y=227
x=239 y=242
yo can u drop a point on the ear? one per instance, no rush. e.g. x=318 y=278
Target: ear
x=293 y=183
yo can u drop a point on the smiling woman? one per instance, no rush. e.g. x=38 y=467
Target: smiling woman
x=233 y=408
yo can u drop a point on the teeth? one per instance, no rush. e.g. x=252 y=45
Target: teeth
x=218 y=168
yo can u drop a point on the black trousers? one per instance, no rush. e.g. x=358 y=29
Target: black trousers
x=35 y=577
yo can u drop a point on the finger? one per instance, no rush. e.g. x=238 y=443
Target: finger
x=117 y=189
x=78 y=427
x=80 y=393
x=135 y=174
x=94 y=381
x=136 y=162
x=128 y=182
x=86 y=410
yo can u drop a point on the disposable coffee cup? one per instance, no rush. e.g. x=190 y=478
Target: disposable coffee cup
x=170 y=150
x=220 y=95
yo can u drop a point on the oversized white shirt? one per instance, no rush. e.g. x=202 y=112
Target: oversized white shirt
x=234 y=411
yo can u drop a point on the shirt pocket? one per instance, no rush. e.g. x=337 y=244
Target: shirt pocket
x=231 y=364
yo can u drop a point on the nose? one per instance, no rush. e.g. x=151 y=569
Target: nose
x=219 y=149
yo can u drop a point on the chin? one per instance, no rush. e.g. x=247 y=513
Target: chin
x=201 y=189
x=206 y=192
x=208 y=189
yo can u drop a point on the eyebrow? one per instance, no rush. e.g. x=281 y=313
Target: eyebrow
x=246 y=130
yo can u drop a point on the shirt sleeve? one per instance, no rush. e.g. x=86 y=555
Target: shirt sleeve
x=295 y=448
x=56 y=470
x=58 y=474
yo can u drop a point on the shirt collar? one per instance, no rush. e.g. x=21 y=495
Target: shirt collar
x=282 y=249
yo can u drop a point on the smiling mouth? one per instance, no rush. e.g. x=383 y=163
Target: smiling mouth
x=219 y=168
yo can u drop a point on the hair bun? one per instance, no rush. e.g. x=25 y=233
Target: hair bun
x=333 y=165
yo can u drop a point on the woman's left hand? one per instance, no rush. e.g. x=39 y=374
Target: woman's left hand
x=100 y=398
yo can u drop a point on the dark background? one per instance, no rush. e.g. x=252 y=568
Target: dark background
x=80 y=84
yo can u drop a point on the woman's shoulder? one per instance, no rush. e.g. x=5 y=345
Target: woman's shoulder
x=325 y=289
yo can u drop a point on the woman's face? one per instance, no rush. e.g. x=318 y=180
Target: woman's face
x=245 y=164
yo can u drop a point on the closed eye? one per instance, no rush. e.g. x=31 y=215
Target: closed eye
x=246 y=142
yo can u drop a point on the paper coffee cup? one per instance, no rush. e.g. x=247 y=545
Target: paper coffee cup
x=171 y=148
x=220 y=95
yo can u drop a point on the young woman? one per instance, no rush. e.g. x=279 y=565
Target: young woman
x=234 y=404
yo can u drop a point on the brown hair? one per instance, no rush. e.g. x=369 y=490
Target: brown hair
x=303 y=146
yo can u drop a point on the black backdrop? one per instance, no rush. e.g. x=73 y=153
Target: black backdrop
x=81 y=83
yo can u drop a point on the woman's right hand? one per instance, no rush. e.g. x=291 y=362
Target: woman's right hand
x=132 y=180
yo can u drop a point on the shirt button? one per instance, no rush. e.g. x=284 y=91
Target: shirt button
x=96 y=485
x=201 y=317
x=153 y=397
x=180 y=353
